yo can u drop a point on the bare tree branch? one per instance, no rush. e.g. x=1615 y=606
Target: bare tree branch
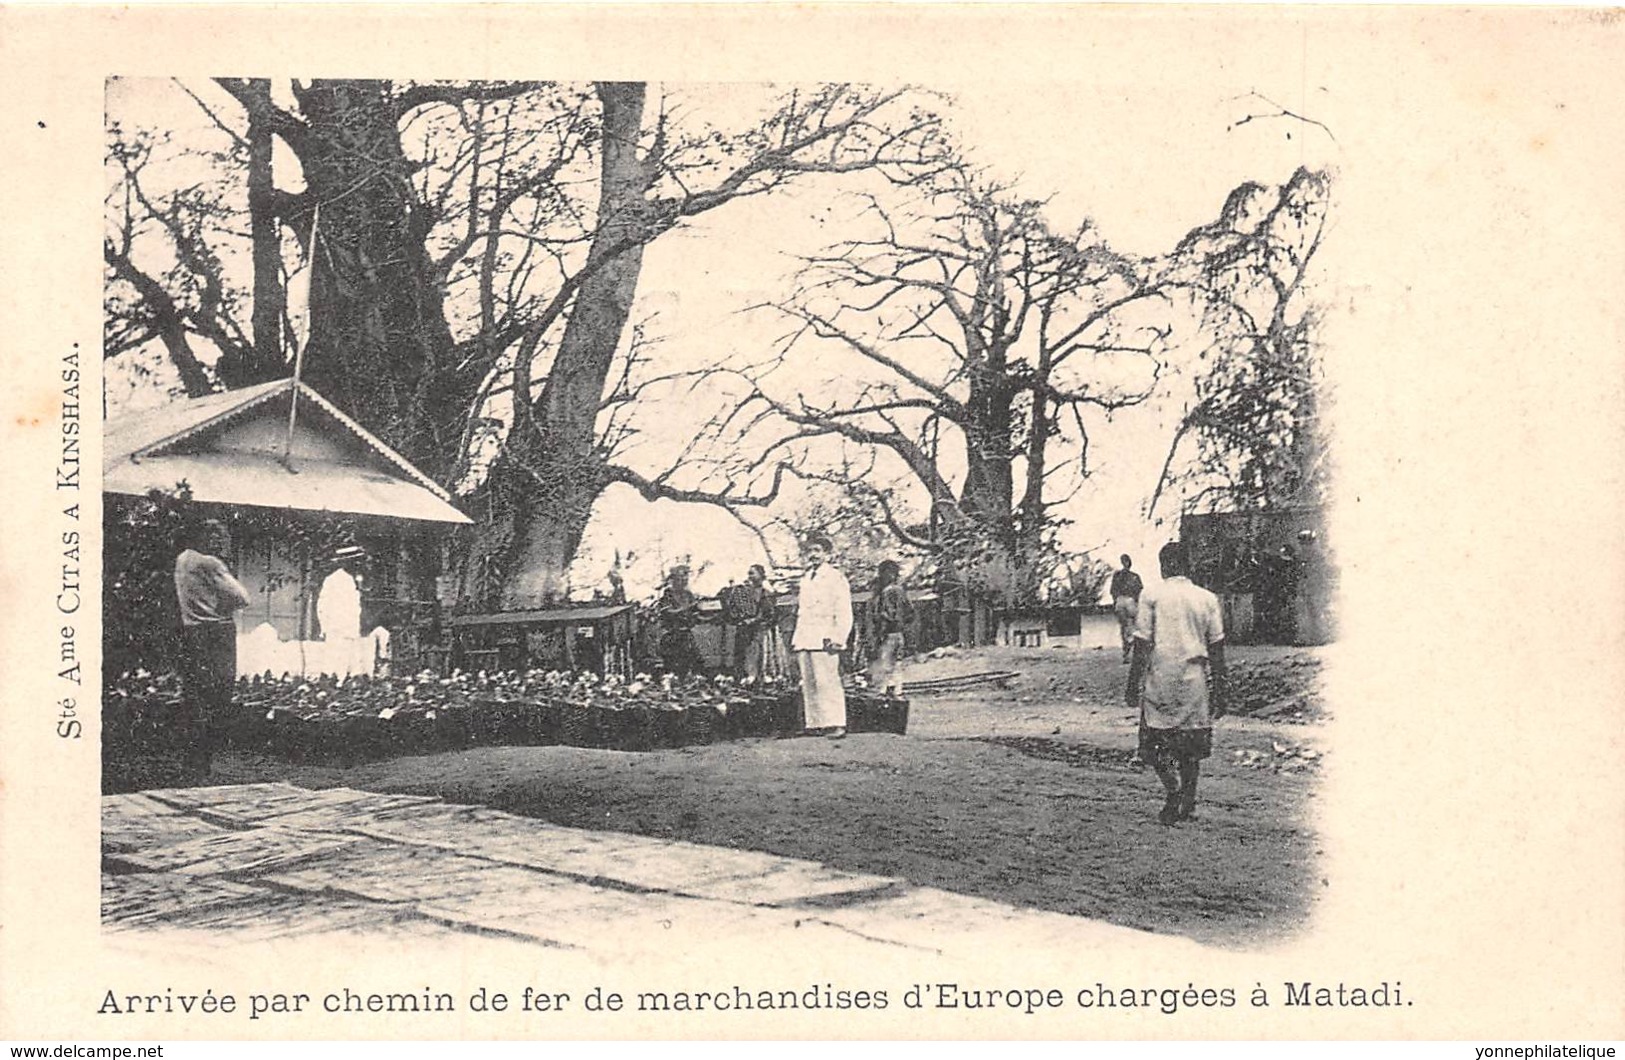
x=1276 y=111
x=451 y=95
x=292 y=130
x=167 y=320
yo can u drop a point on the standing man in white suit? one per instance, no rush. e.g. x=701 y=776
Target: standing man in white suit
x=823 y=624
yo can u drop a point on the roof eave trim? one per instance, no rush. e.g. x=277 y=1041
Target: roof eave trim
x=367 y=437
x=376 y=444
x=152 y=448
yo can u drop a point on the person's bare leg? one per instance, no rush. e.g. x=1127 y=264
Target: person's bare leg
x=1190 y=770
x=1163 y=763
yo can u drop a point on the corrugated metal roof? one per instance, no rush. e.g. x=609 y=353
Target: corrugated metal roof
x=138 y=455
x=590 y=613
x=260 y=480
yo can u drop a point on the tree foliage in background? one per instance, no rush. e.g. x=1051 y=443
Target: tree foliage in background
x=480 y=252
x=560 y=452
x=141 y=622
x=1254 y=434
x=855 y=526
x=984 y=337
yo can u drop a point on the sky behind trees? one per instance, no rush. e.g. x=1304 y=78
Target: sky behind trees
x=1144 y=165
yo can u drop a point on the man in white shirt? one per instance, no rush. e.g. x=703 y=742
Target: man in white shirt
x=823 y=624
x=209 y=599
x=1177 y=680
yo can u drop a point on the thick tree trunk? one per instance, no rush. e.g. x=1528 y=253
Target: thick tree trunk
x=989 y=490
x=988 y=495
x=1003 y=557
x=554 y=459
x=1032 y=513
x=380 y=344
x=245 y=367
x=544 y=546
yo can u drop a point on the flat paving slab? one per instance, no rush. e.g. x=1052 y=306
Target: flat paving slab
x=268 y=861
x=138 y=820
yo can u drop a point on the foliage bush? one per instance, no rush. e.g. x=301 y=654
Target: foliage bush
x=141 y=536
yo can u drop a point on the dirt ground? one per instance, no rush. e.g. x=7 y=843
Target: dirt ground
x=1024 y=794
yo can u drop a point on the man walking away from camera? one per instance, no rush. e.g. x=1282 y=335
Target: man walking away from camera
x=209 y=598
x=1177 y=680
x=823 y=624
x=1125 y=593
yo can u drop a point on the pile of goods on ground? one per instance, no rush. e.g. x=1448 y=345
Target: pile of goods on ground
x=359 y=718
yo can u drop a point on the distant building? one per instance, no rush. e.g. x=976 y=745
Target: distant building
x=1040 y=625
x=232 y=450
x=1023 y=628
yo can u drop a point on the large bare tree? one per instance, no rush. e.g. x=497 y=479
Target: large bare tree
x=981 y=342
x=652 y=178
x=478 y=255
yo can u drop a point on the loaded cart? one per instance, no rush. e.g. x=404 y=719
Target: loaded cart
x=591 y=638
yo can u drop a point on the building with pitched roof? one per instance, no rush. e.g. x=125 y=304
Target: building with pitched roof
x=285 y=469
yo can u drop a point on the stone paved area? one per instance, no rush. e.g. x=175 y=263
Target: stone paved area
x=274 y=861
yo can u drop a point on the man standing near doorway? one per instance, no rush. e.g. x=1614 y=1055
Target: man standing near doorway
x=209 y=599
x=823 y=624
x=1125 y=592
x=1177 y=680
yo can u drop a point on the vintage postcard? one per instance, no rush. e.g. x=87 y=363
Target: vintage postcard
x=812 y=522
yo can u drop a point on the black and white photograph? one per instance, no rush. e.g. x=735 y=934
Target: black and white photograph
x=873 y=543
x=429 y=405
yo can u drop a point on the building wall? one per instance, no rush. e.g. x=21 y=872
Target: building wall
x=402 y=554
x=282 y=629
x=267 y=432
x=281 y=596
x=1023 y=631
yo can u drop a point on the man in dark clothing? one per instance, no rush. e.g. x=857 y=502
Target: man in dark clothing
x=209 y=599
x=1125 y=593
x=1277 y=596
x=890 y=614
x=751 y=610
x=678 y=611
